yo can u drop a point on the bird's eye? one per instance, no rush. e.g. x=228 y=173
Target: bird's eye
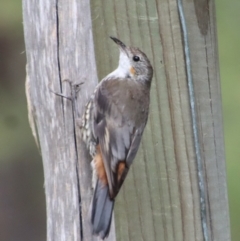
x=136 y=58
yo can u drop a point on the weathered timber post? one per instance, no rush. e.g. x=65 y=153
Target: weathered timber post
x=160 y=199
x=59 y=46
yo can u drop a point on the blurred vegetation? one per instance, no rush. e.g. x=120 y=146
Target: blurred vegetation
x=228 y=20
x=22 y=204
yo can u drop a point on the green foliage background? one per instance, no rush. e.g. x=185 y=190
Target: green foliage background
x=228 y=20
x=21 y=173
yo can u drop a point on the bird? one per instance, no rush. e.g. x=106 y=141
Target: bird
x=112 y=127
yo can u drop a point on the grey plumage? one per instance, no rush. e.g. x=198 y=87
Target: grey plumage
x=112 y=127
x=101 y=210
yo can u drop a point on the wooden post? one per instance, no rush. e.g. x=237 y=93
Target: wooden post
x=59 y=46
x=160 y=199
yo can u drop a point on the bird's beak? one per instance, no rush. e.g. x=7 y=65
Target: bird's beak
x=119 y=43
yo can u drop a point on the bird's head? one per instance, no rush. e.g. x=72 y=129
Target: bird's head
x=134 y=63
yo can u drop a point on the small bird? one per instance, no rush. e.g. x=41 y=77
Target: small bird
x=112 y=128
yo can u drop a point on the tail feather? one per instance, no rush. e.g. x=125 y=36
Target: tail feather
x=101 y=210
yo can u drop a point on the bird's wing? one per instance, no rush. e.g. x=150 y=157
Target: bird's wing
x=117 y=132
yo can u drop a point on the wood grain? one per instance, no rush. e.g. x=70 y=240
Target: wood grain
x=160 y=198
x=59 y=46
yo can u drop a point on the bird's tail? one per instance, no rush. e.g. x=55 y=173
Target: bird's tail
x=101 y=210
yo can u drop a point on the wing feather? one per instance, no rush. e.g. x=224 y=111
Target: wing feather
x=117 y=131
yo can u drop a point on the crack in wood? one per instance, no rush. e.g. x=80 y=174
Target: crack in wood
x=74 y=110
x=201 y=184
x=75 y=116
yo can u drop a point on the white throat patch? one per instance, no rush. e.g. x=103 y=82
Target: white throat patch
x=123 y=68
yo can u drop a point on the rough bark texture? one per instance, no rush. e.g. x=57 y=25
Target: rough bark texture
x=59 y=46
x=160 y=198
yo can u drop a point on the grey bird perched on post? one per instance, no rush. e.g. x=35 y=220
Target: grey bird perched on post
x=112 y=128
